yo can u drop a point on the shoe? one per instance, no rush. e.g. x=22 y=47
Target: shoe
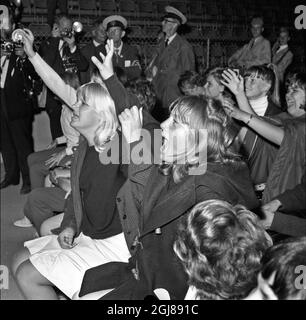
x=6 y=182
x=23 y=223
x=26 y=188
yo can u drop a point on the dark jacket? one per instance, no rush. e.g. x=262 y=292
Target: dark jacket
x=16 y=88
x=259 y=152
x=128 y=61
x=160 y=212
x=171 y=62
x=291 y=219
x=49 y=51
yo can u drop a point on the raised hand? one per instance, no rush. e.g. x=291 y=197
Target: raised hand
x=106 y=68
x=28 y=41
x=131 y=123
x=233 y=82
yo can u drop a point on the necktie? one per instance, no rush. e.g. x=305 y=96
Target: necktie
x=166 y=42
x=252 y=43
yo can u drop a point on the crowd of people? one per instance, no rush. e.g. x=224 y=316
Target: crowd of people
x=163 y=183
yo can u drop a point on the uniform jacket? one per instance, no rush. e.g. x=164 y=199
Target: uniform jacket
x=171 y=62
x=281 y=59
x=16 y=87
x=128 y=61
x=252 y=54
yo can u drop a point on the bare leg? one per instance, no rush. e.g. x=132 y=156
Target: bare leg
x=20 y=257
x=34 y=285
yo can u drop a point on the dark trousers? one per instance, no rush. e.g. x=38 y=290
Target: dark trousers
x=51 y=7
x=43 y=203
x=54 y=111
x=16 y=145
x=38 y=169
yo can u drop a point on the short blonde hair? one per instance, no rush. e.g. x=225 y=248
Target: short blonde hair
x=97 y=96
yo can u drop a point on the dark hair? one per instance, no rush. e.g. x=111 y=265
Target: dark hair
x=284 y=29
x=190 y=79
x=72 y=79
x=199 y=113
x=298 y=79
x=283 y=259
x=264 y=72
x=221 y=246
x=144 y=91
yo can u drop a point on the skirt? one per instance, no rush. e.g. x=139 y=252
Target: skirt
x=65 y=268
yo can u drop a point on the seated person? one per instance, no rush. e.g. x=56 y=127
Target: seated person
x=286 y=214
x=257 y=87
x=257 y=52
x=191 y=83
x=288 y=133
x=281 y=276
x=220 y=247
x=91 y=232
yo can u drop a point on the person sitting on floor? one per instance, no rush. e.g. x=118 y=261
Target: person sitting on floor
x=287 y=130
x=256 y=86
x=220 y=247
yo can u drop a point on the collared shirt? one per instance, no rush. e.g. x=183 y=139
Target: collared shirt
x=171 y=38
x=96 y=43
x=285 y=46
x=119 y=49
x=4 y=67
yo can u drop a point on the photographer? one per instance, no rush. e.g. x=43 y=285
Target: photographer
x=17 y=77
x=62 y=54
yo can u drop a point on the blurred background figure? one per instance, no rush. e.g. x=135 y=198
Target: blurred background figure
x=52 y=5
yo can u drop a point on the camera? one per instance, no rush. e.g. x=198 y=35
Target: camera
x=77 y=27
x=7 y=47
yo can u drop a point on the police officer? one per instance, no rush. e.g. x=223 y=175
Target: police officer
x=174 y=57
x=125 y=57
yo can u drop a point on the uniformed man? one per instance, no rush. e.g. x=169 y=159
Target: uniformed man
x=125 y=57
x=174 y=57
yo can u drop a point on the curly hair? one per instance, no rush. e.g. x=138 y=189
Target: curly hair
x=202 y=115
x=144 y=91
x=189 y=81
x=97 y=96
x=221 y=246
x=283 y=259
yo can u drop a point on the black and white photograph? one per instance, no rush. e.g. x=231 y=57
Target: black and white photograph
x=153 y=153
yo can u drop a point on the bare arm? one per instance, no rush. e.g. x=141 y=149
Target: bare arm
x=51 y=79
